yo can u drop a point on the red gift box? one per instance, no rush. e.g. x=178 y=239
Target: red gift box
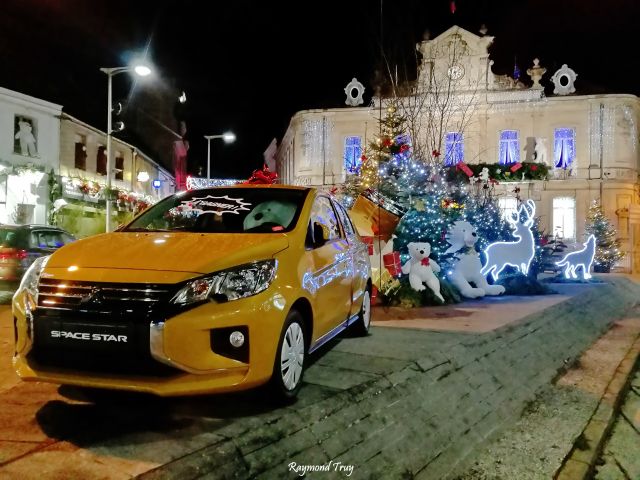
x=374 y=295
x=392 y=263
x=516 y=167
x=369 y=242
x=463 y=166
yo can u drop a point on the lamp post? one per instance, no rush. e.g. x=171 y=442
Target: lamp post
x=228 y=137
x=142 y=71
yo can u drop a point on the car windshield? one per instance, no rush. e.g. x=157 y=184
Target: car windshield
x=224 y=210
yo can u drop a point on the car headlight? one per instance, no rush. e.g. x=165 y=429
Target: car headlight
x=227 y=285
x=32 y=275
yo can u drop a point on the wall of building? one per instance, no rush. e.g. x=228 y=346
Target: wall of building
x=23 y=191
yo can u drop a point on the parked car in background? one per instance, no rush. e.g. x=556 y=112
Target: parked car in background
x=20 y=245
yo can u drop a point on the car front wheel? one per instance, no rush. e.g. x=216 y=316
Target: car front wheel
x=362 y=324
x=288 y=367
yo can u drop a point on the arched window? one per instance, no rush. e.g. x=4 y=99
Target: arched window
x=453 y=148
x=564 y=147
x=509 y=147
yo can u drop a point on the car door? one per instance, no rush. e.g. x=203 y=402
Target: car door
x=359 y=258
x=331 y=269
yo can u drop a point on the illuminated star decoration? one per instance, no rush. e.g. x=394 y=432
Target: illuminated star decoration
x=580 y=258
x=216 y=205
x=518 y=254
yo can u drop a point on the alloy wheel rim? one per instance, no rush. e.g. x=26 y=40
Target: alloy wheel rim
x=366 y=310
x=292 y=356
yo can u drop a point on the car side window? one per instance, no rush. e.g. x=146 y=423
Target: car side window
x=323 y=219
x=346 y=221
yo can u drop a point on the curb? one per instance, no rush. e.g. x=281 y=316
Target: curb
x=580 y=462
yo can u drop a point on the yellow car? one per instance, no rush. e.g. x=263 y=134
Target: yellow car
x=212 y=290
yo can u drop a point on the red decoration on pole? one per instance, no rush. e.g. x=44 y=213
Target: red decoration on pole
x=464 y=167
x=516 y=167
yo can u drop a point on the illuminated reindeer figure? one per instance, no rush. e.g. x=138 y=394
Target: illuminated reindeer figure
x=516 y=254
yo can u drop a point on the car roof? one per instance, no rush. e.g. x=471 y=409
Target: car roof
x=31 y=226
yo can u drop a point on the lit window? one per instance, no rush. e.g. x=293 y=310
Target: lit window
x=564 y=217
x=564 y=148
x=352 y=154
x=508 y=206
x=453 y=148
x=509 y=147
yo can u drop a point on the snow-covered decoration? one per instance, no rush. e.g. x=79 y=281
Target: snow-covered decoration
x=563 y=80
x=467 y=265
x=422 y=269
x=579 y=259
x=354 y=100
x=536 y=72
x=518 y=254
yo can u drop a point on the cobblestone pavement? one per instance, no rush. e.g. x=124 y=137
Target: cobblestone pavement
x=535 y=447
x=620 y=458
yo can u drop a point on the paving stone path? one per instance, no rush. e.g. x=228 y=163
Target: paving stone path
x=621 y=455
x=399 y=403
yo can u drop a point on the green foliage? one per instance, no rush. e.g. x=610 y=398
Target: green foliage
x=405 y=296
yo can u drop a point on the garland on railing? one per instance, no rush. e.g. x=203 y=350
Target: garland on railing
x=125 y=199
x=511 y=172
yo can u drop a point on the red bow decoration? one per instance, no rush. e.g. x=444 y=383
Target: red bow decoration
x=364 y=158
x=404 y=148
x=333 y=190
x=387 y=142
x=262 y=177
x=436 y=153
x=425 y=261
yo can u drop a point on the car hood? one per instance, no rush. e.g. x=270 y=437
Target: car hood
x=168 y=251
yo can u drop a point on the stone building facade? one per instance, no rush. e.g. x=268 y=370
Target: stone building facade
x=590 y=142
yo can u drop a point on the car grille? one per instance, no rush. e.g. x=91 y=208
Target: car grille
x=127 y=308
x=101 y=297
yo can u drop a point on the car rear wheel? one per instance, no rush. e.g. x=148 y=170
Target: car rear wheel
x=362 y=324
x=288 y=367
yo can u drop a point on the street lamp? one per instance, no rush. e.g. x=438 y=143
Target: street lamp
x=228 y=137
x=141 y=70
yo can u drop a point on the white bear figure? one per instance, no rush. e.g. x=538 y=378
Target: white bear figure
x=421 y=268
x=541 y=150
x=466 y=268
x=484 y=174
x=278 y=215
x=27 y=140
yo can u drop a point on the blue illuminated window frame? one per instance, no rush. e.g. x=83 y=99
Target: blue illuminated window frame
x=564 y=147
x=352 y=154
x=453 y=148
x=509 y=151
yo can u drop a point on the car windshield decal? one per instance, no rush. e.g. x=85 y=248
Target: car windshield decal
x=216 y=205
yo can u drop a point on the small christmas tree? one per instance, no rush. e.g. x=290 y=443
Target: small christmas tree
x=607 y=245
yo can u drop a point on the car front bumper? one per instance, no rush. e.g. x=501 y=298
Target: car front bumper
x=186 y=349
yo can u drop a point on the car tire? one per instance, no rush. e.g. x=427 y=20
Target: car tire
x=362 y=324
x=289 y=363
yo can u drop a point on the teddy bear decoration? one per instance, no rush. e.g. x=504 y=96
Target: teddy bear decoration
x=422 y=269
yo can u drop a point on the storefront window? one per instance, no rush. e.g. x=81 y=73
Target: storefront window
x=564 y=217
x=508 y=206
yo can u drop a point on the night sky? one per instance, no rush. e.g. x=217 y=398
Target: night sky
x=248 y=66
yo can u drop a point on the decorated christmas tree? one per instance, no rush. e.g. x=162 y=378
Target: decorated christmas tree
x=607 y=245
